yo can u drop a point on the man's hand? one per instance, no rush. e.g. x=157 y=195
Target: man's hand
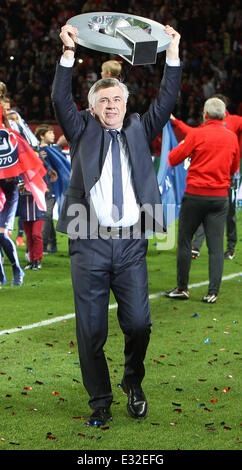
x=68 y=36
x=172 y=51
x=53 y=175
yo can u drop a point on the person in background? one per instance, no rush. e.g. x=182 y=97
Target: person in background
x=17 y=123
x=32 y=219
x=46 y=136
x=111 y=68
x=232 y=122
x=14 y=122
x=9 y=188
x=214 y=158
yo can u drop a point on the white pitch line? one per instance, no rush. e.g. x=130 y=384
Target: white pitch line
x=112 y=306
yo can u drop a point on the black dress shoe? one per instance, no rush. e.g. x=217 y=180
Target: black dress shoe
x=99 y=417
x=137 y=405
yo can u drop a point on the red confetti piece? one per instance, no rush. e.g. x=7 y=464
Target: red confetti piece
x=49 y=436
x=214 y=400
x=82 y=435
x=27 y=388
x=77 y=417
x=178 y=410
x=55 y=393
x=207 y=409
x=228 y=428
x=225 y=390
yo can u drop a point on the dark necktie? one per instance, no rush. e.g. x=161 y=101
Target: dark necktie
x=117 y=209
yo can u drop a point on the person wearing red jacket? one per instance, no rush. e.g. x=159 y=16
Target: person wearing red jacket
x=214 y=157
x=232 y=122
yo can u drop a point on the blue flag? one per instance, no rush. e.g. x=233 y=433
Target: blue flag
x=171 y=180
x=62 y=166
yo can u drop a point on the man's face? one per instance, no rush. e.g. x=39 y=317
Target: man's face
x=110 y=107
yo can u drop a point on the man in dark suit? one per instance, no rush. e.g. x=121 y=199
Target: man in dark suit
x=112 y=199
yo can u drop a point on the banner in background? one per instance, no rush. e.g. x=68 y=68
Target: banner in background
x=171 y=180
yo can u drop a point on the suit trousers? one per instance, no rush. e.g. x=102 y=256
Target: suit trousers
x=231 y=229
x=98 y=265
x=211 y=212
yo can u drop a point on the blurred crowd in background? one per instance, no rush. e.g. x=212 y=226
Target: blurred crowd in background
x=210 y=49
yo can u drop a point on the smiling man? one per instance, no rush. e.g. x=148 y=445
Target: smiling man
x=108 y=105
x=112 y=174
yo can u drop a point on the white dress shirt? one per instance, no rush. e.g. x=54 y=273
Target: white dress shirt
x=102 y=192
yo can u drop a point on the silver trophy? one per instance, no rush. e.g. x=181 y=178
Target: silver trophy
x=134 y=38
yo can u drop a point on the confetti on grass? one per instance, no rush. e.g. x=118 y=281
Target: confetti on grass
x=225 y=390
x=49 y=436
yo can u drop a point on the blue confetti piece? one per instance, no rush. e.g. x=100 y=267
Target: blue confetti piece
x=194 y=316
x=207 y=340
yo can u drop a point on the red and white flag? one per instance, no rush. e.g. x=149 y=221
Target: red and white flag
x=18 y=158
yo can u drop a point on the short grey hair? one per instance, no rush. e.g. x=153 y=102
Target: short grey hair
x=215 y=108
x=106 y=83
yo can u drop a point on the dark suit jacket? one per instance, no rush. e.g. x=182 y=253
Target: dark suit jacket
x=89 y=143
